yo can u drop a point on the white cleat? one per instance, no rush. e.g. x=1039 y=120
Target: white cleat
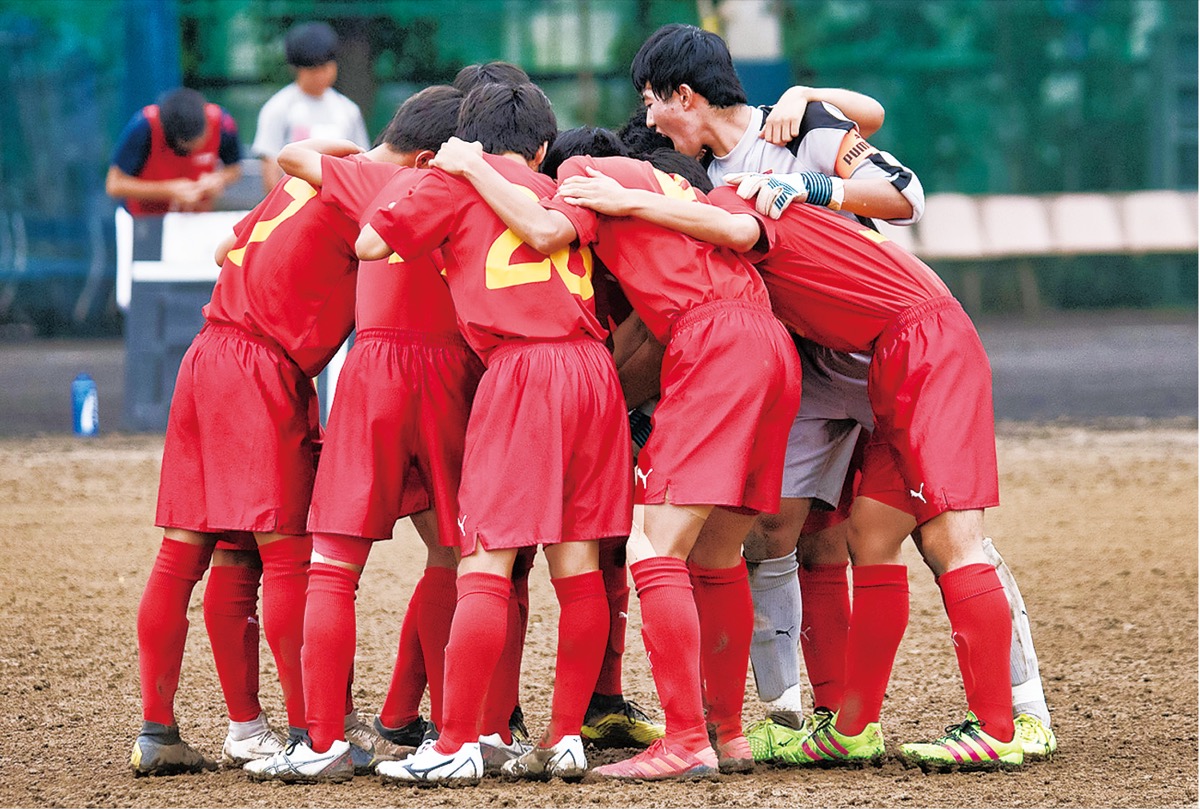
x=564 y=760
x=427 y=767
x=300 y=764
x=496 y=753
x=259 y=742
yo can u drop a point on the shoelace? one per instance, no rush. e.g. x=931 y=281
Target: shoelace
x=956 y=732
x=634 y=712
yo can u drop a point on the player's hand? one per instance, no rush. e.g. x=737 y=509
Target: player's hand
x=772 y=193
x=186 y=195
x=597 y=191
x=783 y=124
x=457 y=156
x=211 y=185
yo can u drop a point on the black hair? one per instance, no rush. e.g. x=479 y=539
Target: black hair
x=684 y=54
x=508 y=118
x=689 y=168
x=585 y=140
x=425 y=121
x=310 y=44
x=639 y=138
x=181 y=112
x=472 y=76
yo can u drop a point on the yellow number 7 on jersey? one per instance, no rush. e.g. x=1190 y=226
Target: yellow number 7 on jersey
x=300 y=192
x=502 y=271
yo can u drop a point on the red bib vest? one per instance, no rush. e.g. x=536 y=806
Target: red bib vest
x=164 y=164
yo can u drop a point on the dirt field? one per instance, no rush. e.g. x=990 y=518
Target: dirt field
x=1100 y=528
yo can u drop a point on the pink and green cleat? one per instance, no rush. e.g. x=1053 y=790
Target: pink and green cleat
x=825 y=747
x=964 y=747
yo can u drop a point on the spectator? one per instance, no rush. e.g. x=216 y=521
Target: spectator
x=309 y=107
x=176 y=155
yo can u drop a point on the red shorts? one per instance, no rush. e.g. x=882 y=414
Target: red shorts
x=394 y=441
x=730 y=391
x=238 y=454
x=548 y=449
x=934 y=444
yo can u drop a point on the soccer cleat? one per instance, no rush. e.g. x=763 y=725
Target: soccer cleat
x=409 y=736
x=496 y=753
x=662 y=761
x=300 y=764
x=262 y=743
x=768 y=735
x=825 y=747
x=368 y=747
x=734 y=755
x=1038 y=741
x=158 y=750
x=964 y=747
x=564 y=760
x=427 y=766
x=618 y=722
x=516 y=726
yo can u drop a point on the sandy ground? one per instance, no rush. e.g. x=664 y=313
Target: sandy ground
x=1100 y=528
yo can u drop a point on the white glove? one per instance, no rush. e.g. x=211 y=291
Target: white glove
x=773 y=192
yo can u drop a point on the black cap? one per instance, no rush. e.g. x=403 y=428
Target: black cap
x=310 y=44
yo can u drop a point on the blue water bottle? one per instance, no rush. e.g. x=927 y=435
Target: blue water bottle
x=86 y=402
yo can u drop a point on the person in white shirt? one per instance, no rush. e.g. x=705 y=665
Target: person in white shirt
x=309 y=107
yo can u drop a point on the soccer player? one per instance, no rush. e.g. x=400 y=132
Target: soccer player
x=692 y=93
x=242 y=476
x=928 y=469
x=707 y=458
x=530 y=318
x=177 y=155
x=393 y=448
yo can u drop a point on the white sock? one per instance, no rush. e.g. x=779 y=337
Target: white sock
x=1028 y=695
x=240 y=731
x=774 y=650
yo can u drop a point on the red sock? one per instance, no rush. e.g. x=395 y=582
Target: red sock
x=476 y=642
x=438 y=598
x=582 y=629
x=162 y=624
x=285 y=583
x=671 y=634
x=616 y=589
x=726 y=612
x=230 y=607
x=402 y=704
x=504 y=690
x=981 y=627
x=432 y=604
x=330 y=630
x=877 y=625
x=825 y=603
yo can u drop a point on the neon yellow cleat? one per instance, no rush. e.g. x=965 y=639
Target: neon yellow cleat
x=618 y=722
x=1037 y=738
x=964 y=747
x=825 y=747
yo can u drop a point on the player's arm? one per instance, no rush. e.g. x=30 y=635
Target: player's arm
x=303 y=158
x=783 y=123
x=638 y=357
x=699 y=220
x=544 y=230
x=223 y=248
x=181 y=192
x=370 y=246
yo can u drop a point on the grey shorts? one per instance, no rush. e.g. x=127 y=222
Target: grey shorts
x=834 y=410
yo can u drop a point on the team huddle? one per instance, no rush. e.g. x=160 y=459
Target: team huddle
x=681 y=354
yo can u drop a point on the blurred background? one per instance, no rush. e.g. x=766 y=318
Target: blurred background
x=987 y=100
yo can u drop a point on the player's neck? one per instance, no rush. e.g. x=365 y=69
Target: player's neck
x=726 y=126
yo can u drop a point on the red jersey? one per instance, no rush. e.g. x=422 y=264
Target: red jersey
x=831 y=279
x=663 y=272
x=163 y=164
x=503 y=289
x=291 y=274
x=392 y=293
